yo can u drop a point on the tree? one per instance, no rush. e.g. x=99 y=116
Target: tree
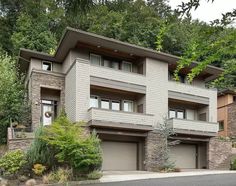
x=33 y=34
x=12 y=94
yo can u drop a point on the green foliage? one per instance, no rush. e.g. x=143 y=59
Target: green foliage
x=12 y=104
x=33 y=33
x=61 y=175
x=95 y=175
x=12 y=162
x=73 y=146
x=40 y=152
x=233 y=166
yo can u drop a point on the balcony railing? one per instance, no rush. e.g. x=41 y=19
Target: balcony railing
x=120 y=117
x=193 y=125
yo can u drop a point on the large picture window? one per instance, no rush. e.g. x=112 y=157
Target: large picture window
x=177 y=113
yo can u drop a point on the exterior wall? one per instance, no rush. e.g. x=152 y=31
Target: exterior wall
x=219 y=152
x=155 y=151
x=44 y=79
x=156 y=91
x=231 y=110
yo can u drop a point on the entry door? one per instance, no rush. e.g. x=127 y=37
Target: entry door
x=119 y=156
x=49 y=111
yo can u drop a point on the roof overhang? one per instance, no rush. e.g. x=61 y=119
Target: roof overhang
x=72 y=36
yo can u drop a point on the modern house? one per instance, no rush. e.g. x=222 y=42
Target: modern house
x=124 y=92
x=227 y=113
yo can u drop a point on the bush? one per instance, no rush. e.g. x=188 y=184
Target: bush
x=74 y=147
x=40 y=152
x=4 y=124
x=233 y=165
x=94 y=175
x=39 y=169
x=12 y=162
x=61 y=175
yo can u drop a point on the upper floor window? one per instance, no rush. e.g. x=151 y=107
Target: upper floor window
x=46 y=65
x=128 y=106
x=115 y=105
x=182 y=78
x=234 y=98
x=221 y=125
x=95 y=59
x=176 y=113
x=94 y=101
x=127 y=66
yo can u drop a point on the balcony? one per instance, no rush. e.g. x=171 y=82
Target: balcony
x=117 y=75
x=184 y=88
x=193 y=127
x=121 y=119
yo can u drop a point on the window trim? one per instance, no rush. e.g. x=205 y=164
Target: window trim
x=126 y=62
x=100 y=57
x=49 y=63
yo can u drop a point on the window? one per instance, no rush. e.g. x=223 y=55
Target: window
x=172 y=114
x=180 y=114
x=221 y=125
x=105 y=104
x=46 y=65
x=94 y=101
x=106 y=63
x=95 y=59
x=115 y=105
x=115 y=65
x=128 y=106
x=176 y=113
x=127 y=66
x=234 y=99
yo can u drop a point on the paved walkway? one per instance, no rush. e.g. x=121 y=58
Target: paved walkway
x=117 y=176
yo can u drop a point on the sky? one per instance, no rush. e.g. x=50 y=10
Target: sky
x=208 y=11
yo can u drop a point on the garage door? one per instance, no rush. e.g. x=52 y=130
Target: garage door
x=184 y=156
x=119 y=156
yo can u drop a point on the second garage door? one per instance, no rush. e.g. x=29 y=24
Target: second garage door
x=184 y=156
x=119 y=156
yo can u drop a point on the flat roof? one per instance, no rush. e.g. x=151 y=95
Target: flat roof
x=72 y=36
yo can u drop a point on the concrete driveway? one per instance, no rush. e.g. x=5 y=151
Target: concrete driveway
x=219 y=179
x=116 y=176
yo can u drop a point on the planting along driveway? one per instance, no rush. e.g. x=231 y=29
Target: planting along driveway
x=200 y=180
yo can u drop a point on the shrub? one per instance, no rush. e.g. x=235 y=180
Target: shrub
x=74 y=147
x=61 y=175
x=233 y=165
x=39 y=169
x=12 y=162
x=94 y=175
x=40 y=152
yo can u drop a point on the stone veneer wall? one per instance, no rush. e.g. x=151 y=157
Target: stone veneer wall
x=14 y=144
x=155 y=150
x=46 y=80
x=219 y=151
x=232 y=120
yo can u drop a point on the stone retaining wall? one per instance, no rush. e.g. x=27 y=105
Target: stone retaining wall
x=219 y=151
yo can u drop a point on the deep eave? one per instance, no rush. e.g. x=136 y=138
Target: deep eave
x=72 y=36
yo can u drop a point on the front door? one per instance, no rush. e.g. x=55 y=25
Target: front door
x=49 y=111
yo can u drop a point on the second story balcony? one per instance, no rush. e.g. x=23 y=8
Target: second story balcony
x=194 y=127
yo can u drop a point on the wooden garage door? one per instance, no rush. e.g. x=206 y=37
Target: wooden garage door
x=184 y=156
x=119 y=156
